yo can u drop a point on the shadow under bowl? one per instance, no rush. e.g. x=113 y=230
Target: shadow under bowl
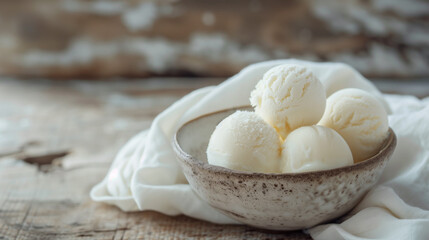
x=286 y=201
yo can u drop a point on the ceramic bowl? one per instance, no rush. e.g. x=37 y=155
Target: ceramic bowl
x=274 y=201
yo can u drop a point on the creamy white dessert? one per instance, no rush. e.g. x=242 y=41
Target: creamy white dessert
x=314 y=148
x=244 y=141
x=359 y=118
x=288 y=97
x=281 y=136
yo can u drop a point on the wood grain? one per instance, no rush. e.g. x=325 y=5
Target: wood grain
x=75 y=38
x=57 y=141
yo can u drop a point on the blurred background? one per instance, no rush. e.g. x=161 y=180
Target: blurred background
x=198 y=38
x=79 y=78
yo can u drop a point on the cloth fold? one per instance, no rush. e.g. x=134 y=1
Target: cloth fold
x=146 y=176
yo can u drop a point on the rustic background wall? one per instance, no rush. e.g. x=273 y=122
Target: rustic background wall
x=138 y=38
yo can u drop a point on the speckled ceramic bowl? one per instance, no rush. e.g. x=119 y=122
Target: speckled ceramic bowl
x=274 y=201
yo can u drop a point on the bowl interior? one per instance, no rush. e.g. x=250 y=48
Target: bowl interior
x=193 y=138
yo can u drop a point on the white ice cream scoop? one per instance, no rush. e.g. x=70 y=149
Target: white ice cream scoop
x=359 y=118
x=314 y=148
x=244 y=141
x=288 y=97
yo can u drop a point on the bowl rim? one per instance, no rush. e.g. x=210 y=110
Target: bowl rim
x=388 y=148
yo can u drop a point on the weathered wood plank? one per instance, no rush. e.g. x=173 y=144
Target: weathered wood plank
x=58 y=139
x=75 y=38
x=87 y=220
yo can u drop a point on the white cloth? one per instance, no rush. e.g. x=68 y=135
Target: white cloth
x=146 y=176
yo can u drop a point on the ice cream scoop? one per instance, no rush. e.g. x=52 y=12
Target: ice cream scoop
x=314 y=148
x=244 y=141
x=289 y=96
x=359 y=118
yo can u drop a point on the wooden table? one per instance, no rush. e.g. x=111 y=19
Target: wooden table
x=57 y=140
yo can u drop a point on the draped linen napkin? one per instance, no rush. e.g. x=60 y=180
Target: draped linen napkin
x=146 y=176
